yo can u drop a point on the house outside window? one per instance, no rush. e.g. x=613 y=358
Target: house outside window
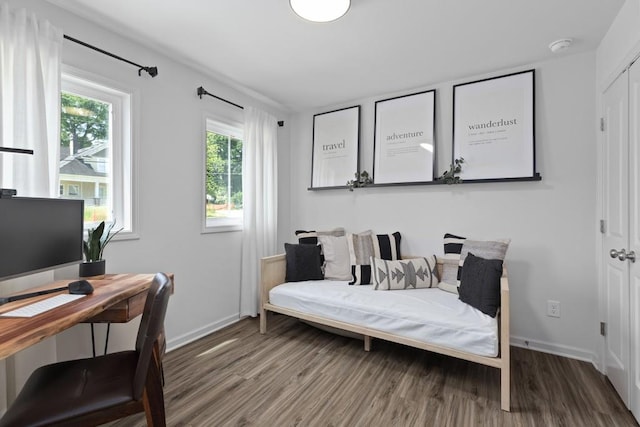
x=222 y=176
x=95 y=149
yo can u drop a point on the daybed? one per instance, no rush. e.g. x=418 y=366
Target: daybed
x=429 y=319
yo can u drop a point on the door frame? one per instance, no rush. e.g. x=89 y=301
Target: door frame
x=601 y=251
x=620 y=239
x=633 y=56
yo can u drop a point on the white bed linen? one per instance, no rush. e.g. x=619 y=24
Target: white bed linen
x=428 y=315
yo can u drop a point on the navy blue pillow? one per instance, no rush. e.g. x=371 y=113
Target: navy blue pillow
x=303 y=262
x=480 y=284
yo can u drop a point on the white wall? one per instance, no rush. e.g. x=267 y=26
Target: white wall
x=168 y=172
x=620 y=45
x=551 y=223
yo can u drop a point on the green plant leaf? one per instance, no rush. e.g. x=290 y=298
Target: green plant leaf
x=97 y=239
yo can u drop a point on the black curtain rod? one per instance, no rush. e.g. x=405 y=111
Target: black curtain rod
x=153 y=71
x=16 y=150
x=202 y=91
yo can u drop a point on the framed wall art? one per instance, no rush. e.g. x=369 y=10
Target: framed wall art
x=336 y=143
x=404 y=139
x=493 y=127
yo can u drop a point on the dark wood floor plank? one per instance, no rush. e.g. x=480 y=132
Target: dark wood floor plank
x=297 y=375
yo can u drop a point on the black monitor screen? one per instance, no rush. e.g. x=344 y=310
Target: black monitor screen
x=39 y=234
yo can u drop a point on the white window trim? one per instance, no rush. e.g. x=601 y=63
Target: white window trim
x=214 y=123
x=124 y=167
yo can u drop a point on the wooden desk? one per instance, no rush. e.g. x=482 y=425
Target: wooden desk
x=116 y=298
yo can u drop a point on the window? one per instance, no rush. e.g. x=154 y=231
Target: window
x=223 y=176
x=95 y=149
x=74 y=190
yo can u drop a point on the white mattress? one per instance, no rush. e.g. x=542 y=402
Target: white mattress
x=428 y=315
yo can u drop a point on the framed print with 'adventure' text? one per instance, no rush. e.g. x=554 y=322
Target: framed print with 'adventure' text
x=404 y=143
x=493 y=127
x=336 y=140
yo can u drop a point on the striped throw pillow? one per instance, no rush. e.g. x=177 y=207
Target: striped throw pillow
x=311 y=237
x=363 y=246
x=451 y=260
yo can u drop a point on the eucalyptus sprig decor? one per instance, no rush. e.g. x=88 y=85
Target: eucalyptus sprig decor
x=451 y=176
x=362 y=180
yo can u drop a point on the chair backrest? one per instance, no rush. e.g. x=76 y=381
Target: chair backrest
x=151 y=325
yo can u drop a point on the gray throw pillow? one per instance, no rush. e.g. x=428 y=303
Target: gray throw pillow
x=486 y=249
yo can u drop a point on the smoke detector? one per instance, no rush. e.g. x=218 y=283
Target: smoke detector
x=560 y=45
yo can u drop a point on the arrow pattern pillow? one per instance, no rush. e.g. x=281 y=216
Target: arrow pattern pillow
x=411 y=273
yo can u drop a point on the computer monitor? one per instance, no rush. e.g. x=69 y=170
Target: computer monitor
x=38 y=234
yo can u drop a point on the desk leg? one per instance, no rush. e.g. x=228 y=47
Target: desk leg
x=106 y=340
x=93 y=341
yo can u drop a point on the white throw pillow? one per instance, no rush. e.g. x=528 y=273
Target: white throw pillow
x=336 y=257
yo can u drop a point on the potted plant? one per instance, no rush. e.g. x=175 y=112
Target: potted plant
x=93 y=246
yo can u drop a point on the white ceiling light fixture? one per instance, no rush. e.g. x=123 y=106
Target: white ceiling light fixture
x=560 y=45
x=320 y=10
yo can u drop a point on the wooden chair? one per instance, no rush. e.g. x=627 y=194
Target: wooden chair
x=89 y=392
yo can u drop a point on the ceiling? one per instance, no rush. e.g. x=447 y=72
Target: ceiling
x=378 y=47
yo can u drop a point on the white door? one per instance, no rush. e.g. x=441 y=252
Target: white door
x=616 y=236
x=634 y=235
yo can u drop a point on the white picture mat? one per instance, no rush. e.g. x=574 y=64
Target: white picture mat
x=335 y=147
x=404 y=139
x=494 y=127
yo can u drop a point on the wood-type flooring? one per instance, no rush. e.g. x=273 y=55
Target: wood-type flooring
x=298 y=375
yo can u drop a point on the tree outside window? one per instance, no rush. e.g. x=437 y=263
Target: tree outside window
x=85 y=143
x=83 y=121
x=223 y=176
x=96 y=148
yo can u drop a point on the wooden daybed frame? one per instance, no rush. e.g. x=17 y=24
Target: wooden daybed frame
x=273 y=274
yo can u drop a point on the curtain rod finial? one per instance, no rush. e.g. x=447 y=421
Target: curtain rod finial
x=153 y=71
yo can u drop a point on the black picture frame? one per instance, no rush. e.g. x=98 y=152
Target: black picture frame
x=404 y=146
x=335 y=147
x=494 y=128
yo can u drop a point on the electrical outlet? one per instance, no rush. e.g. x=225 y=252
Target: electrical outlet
x=553 y=308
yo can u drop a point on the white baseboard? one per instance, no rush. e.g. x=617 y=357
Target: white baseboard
x=557 y=349
x=192 y=336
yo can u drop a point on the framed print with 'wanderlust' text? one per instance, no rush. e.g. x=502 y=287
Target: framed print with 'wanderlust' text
x=493 y=127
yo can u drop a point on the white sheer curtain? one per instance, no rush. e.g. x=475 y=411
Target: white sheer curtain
x=260 y=202
x=30 y=60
